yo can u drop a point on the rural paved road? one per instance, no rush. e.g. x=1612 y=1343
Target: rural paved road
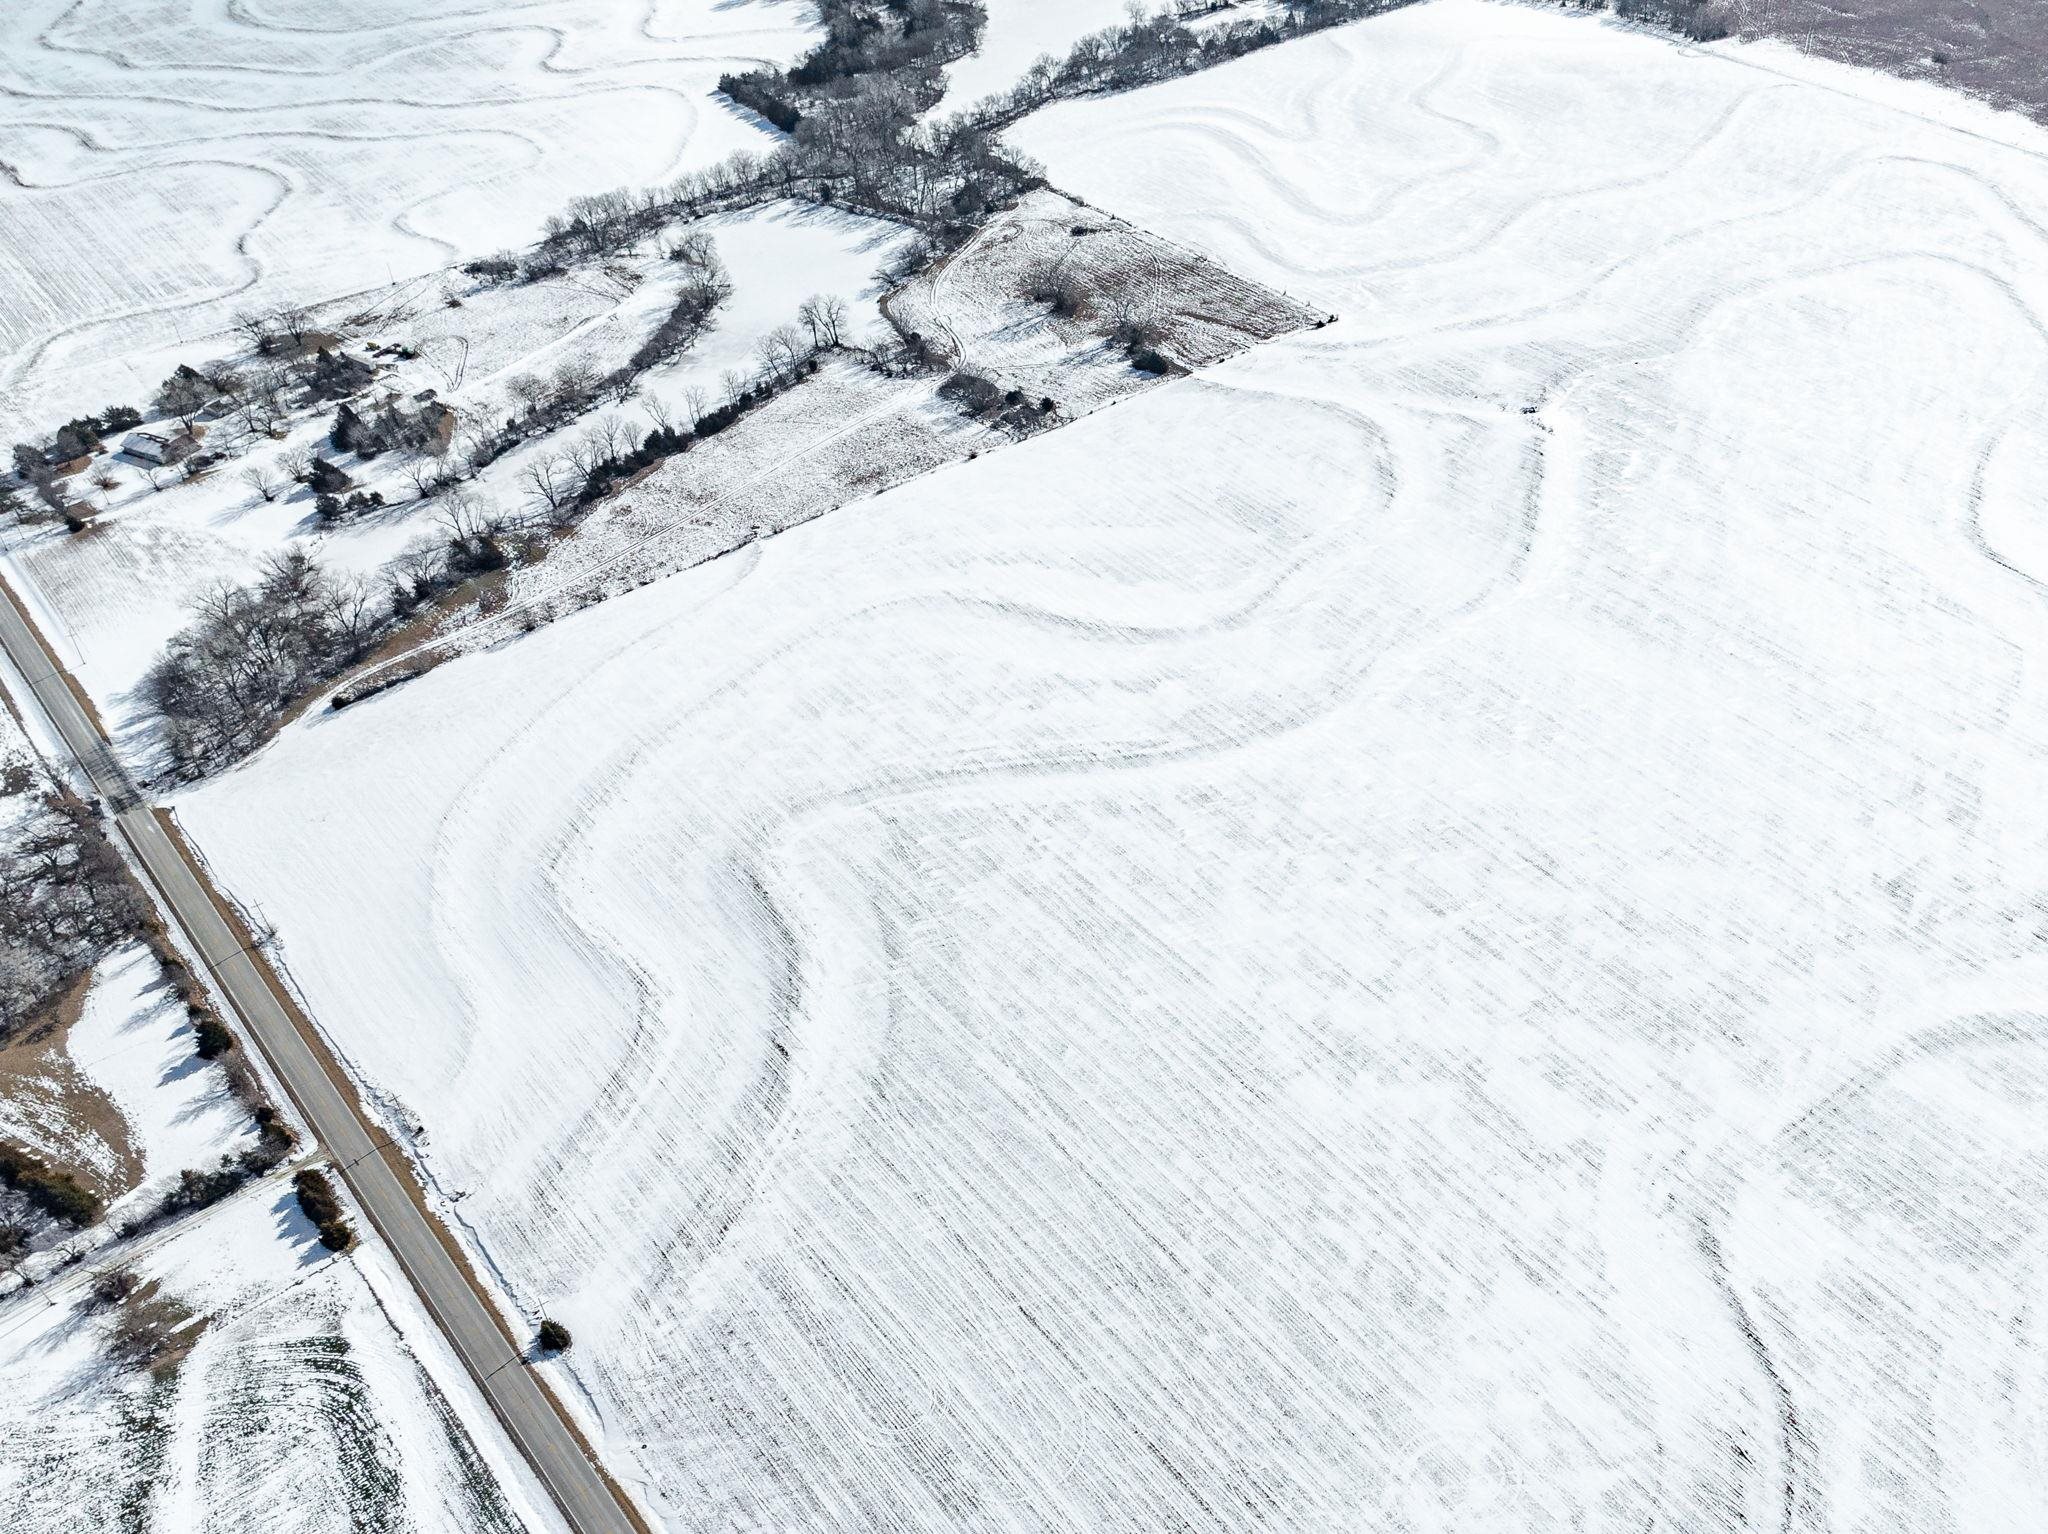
x=382 y=1184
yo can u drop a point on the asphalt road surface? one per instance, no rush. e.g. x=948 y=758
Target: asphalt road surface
x=380 y=1179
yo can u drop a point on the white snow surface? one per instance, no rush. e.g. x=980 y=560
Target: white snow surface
x=162 y=163
x=1017 y=34
x=1438 y=926
x=133 y=1041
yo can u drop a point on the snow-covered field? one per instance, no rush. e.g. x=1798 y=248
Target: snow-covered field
x=1437 y=927
x=162 y=163
x=301 y=1409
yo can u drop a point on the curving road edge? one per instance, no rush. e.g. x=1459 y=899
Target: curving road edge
x=376 y=1173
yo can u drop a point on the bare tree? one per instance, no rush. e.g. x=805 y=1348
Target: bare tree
x=295 y=320
x=824 y=316
x=350 y=610
x=468 y=517
x=471 y=452
x=254 y=325
x=551 y=485
x=585 y=453
x=262 y=481
x=530 y=391
x=419 y=564
x=782 y=351
x=185 y=395
x=224 y=380
x=613 y=436
x=734 y=383
x=572 y=380
x=262 y=401
x=660 y=412
x=698 y=252
x=1050 y=283
x=694 y=404
x=1132 y=323
x=298 y=463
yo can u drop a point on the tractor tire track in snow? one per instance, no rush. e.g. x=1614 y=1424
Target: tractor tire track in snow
x=1248 y=966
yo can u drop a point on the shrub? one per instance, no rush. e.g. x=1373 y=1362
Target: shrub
x=57 y=1194
x=499 y=268
x=213 y=1038
x=554 y=1337
x=1051 y=284
x=115 y=1286
x=152 y=1331
x=972 y=393
x=319 y=1204
x=1146 y=360
x=202 y=1190
x=316 y=1197
x=337 y=1235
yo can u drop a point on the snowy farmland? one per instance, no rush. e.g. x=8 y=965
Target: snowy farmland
x=217 y=155
x=300 y=1407
x=1437 y=926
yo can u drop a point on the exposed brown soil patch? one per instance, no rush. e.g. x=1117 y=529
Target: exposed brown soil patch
x=56 y=1110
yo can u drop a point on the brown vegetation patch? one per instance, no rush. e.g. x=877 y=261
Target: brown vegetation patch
x=147 y=1329
x=54 y=1110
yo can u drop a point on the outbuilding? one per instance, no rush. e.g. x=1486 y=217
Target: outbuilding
x=155 y=447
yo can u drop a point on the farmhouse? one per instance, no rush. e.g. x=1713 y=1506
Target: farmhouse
x=437 y=421
x=155 y=447
x=337 y=373
x=430 y=429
